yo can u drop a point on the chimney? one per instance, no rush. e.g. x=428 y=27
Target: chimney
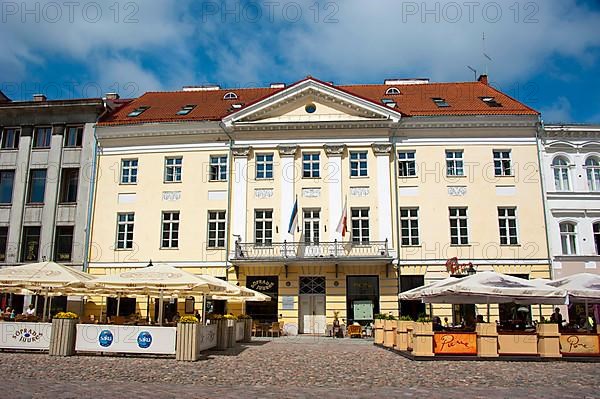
x=112 y=96
x=483 y=79
x=38 y=98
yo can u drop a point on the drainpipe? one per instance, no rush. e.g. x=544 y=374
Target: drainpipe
x=229 y=185
x=397 y=209
x=538 y=139
x=92 y=194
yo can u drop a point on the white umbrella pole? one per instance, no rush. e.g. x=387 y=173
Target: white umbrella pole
x=101 y=308
x=35 y=303
x=118 y=304
x=50 y=308
x=160 y=309
x=203 y=309
x=45 y=305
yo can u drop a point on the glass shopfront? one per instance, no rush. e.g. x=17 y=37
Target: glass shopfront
x=362 y=298
x=263 y=312
x=413 y=309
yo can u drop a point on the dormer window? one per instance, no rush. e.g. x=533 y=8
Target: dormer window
x=186 y=109
x=392 y=91
x=137 y=112
x=389 y=102
x=440 y=102
x=230 y=96
x=491 y=102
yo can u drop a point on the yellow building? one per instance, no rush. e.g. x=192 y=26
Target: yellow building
x=254 y=185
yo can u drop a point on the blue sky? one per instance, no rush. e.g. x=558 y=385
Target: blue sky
x=544 y=53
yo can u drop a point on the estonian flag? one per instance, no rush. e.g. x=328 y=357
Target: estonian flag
x=293 y=218
x=343 y=223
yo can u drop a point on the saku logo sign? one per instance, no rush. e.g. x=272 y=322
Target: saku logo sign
x=105 y=339
x=144 y=339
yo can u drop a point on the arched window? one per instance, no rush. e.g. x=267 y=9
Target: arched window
x=568 y=238
x=592 y=166
x=560 y=165
x=230 y=96
x=392 y=91
x=597 y=237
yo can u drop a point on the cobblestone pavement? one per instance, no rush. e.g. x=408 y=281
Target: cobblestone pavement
x=292 y=368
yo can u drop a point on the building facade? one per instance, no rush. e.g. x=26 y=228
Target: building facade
x=46 y=160
x=331 y=199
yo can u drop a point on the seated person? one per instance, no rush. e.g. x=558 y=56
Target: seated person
x=437 y=324
x=479 y=319
x=176 y=318
x=30 y=310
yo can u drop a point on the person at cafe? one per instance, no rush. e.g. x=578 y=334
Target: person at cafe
x=557 y=317
x=176 y=317
x=479 y=319
x=446 y=324
x=437 y=324
x=7 y=312
x=30 y=310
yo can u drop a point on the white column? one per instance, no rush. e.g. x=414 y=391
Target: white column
x=288 y=197
x=336 y=201
x=240 y=192
x=384 y=196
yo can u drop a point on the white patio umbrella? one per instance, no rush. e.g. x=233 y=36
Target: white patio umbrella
x=581 y=288
x=416 y=294
x=246 y=295
x=491 y=287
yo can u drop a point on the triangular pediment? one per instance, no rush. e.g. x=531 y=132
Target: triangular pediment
x=312 y=101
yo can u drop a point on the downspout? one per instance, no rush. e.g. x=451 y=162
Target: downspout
x=397 y=211
x=92 y=194
x=229 y=185
x=538 y=139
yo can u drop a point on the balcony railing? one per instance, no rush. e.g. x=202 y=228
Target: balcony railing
x=302 y=250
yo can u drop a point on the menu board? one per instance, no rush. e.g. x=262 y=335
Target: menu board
x=363 y=310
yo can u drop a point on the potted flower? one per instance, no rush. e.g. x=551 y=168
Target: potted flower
x=247 y=327
x=379 y=321
x=188 y=328
x=64 y=330
x=389 y=331
x=423 y=336
x=548 y=339
x=402 y=326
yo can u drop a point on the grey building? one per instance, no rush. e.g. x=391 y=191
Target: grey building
x=46 y=165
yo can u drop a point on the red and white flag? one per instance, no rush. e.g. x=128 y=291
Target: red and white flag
x=343 y=224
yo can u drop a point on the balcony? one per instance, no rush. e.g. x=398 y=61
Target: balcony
x=322 y=251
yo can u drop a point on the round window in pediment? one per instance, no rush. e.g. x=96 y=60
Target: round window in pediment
x=310 y=108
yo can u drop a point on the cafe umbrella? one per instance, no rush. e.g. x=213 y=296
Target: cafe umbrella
x=581 y=288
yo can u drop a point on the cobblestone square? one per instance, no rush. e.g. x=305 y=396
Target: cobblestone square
x=292 y=367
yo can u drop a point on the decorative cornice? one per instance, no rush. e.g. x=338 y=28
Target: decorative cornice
x=240 y=151
x=382 y=148
x=334 y=150
x=287 y=150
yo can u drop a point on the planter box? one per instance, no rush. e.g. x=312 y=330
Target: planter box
x=517 y=344
x=548 y=340
x=389 y=333
x=62 y=339
x=402 y=328
x=222 y=334
x=187 y=344
x=247 y=330
x=378 y=338
x=487 y=339
x=423 y=339
x=240 y=325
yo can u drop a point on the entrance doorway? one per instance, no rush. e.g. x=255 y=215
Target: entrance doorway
x=311 y=315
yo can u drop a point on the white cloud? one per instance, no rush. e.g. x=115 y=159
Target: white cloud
x=558 y=111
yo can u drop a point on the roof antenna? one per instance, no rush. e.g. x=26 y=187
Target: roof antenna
x=473 y=70
x=485 y=55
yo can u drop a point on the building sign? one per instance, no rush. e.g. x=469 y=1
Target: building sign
x=125 y=339
x=263 y=283
x=25 y=335
x=287 y=303
x=579 y=344
x=455 y=343
x=455 y=268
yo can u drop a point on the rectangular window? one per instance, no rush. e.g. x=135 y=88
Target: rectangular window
x=125 y=230
x=218 y=168
x=358 y=163
x=360 y=225
x=454 y=163
x=216 y=229
x=42 y=137
x=173 y=169
x=68 y=185
x=409 y=226
x=596 y=227
x=310 y=165
x=64 y=243
x=406 y=164
x=74 y=137
x=459 y=234
x=37 y=186
x=129 y=171
x=507 y=221
x=311 y=218
x=10 y=138
x=7 y=181
x=31 y=244
x=3 y=243
x=263 y=227
x=264 y=166
x=170 y=230
x=502 y=164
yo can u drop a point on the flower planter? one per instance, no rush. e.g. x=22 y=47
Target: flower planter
x=487 y=339
x=186 y=348
x=389 y=333
x=240 y=325
x=548 y=340
x=62 y=338
x=222 y=333
x=378 y=331
x=423 y=339
x=247 y=330
x=402 y=328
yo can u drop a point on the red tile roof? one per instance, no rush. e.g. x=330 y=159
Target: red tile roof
x=464 y=98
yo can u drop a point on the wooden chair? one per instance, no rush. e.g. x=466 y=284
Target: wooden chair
x=355 y=331
x=255 y=328
x=275 y=328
